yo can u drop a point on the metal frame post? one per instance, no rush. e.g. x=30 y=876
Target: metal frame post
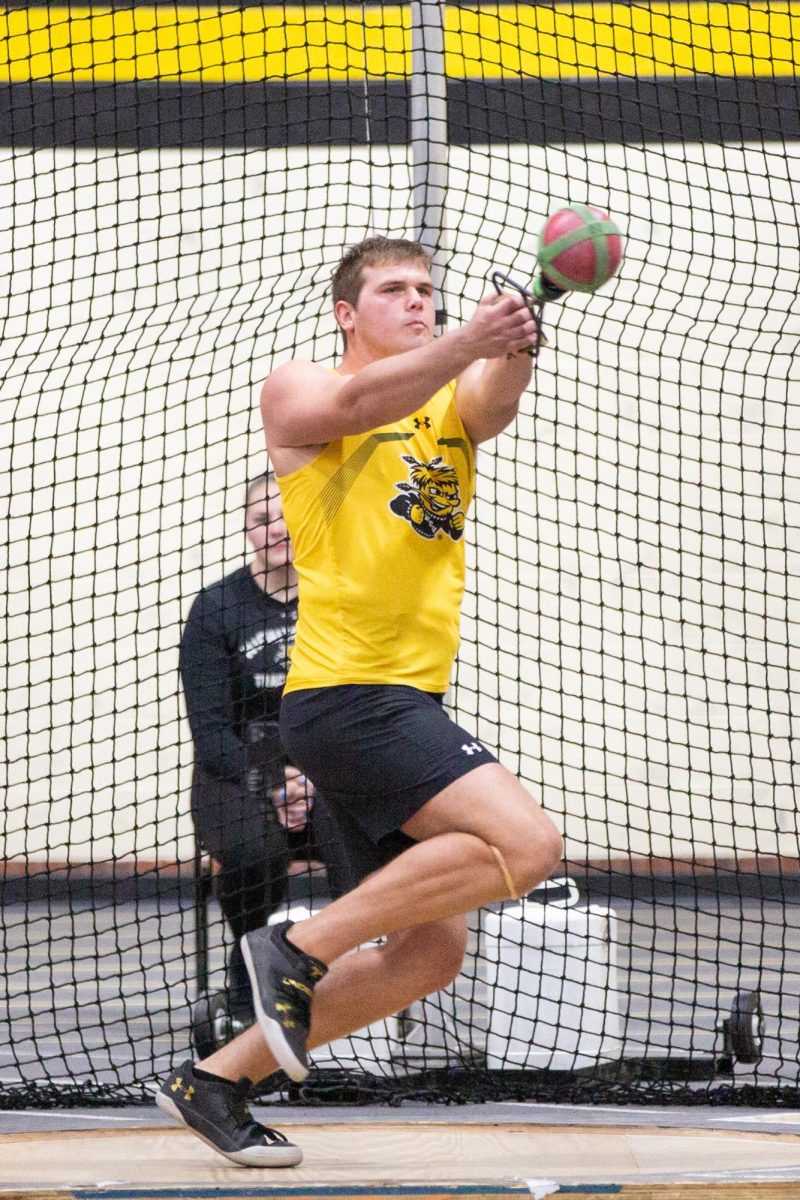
x=429 y=140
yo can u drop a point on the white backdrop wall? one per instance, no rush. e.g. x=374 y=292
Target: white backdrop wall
x=631 y=629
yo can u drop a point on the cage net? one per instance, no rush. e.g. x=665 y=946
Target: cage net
x=177 y=185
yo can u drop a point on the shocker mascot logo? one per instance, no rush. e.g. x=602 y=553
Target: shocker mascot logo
x=430 y=502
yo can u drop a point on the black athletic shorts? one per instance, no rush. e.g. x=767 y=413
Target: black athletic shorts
x=378 y=753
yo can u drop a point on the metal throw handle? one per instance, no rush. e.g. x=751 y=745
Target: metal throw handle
x=501 y=282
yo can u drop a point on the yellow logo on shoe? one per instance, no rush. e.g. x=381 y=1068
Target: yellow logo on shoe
x=287 y=1022
x=295 y=983
x=316 y=973
x=177 y=1086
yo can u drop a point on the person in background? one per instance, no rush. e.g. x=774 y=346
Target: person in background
x=253 y=811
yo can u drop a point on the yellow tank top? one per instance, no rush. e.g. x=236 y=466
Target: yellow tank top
x=377 y=521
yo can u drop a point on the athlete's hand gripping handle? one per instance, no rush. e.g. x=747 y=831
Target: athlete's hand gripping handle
x=501 y=282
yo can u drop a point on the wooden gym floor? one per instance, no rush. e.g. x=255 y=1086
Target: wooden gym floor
x=680 y=964
x=489 y=1151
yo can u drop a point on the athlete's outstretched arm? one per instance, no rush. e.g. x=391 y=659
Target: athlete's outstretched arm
x=302 y=404
x=488 y=394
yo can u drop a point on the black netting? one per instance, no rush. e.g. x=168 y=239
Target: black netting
x=177 y=186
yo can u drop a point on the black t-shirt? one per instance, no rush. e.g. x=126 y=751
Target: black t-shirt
x=233 y=664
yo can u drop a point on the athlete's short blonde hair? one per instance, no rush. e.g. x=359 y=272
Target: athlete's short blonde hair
x=348 y=278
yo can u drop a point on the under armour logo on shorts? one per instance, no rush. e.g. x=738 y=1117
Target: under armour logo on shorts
x=472 y=748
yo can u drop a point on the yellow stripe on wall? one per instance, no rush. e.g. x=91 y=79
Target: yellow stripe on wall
x=568 y=41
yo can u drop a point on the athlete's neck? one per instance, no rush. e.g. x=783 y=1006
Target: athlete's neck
x=279 y=583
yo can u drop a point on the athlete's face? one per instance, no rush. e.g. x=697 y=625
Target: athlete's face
x=266 y=529
x=395 y=310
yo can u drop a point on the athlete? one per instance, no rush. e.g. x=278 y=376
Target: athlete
x=376 y=464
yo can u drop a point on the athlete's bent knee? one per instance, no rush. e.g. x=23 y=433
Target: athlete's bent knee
x=451 y=950
x=523 y=867
x=549 y=851
x=439 y=950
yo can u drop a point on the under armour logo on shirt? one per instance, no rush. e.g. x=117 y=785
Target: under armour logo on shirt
x=472 y=748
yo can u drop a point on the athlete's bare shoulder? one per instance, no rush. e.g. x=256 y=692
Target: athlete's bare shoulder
x=293 y=376
x=299 y=404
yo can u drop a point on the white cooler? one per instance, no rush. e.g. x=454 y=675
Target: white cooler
x=554 y=995
x=538 y=989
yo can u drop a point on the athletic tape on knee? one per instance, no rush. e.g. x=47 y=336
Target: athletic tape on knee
x=513 y=892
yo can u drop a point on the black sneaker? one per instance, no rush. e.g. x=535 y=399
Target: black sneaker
x=217 y=1112
x=283 y=980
